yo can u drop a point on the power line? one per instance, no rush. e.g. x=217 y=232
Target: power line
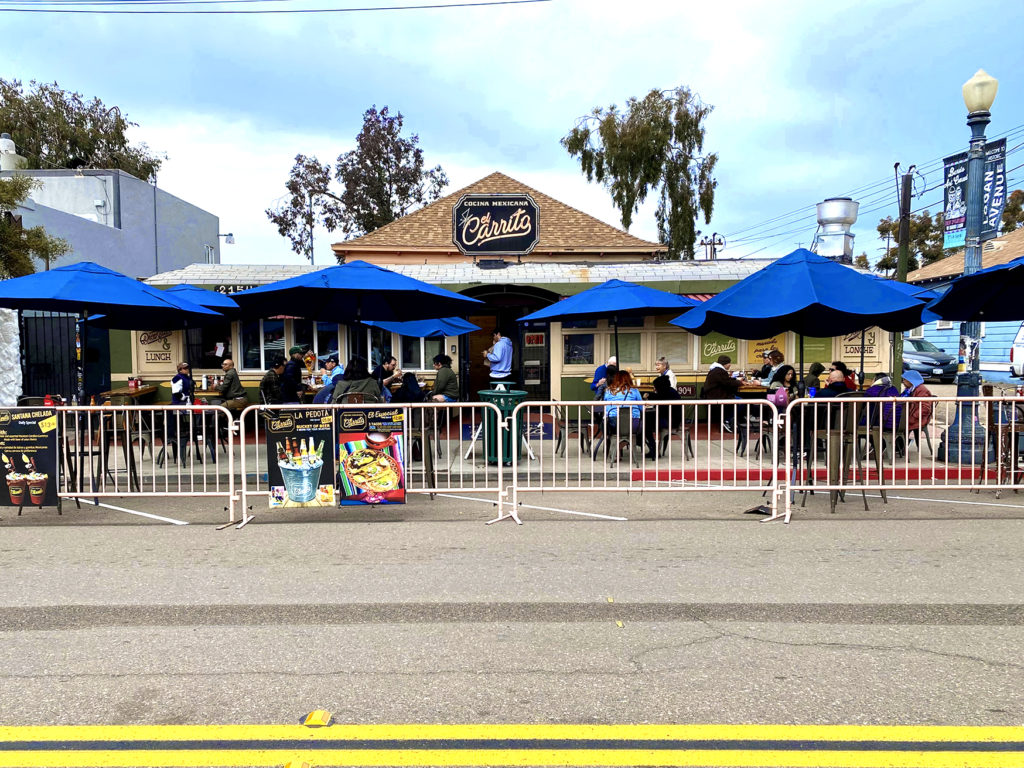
x=225 y=11
x=802 y=213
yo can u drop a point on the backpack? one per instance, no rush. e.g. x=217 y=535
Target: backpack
x=780 y=397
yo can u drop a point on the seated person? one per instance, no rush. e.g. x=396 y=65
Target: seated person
x=601 y=374
x=386 y=374
x=611 y=371
x=231 y=390
x=785 y=378
x=410 y=391
x=920 y=414
x=665 y=416
x=835 y=384
x=890 y=412
x=446 y=383
x=719 y=383
x=849 y=376
x=813 y=377
x=622 y=390
x=765 y=370
x=776 y=359
x=270 y=385
x=356 y=378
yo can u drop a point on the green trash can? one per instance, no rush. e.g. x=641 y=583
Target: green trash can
x=506 y=400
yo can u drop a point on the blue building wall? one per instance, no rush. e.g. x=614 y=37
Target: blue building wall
x=996 y=341
x=121 y=222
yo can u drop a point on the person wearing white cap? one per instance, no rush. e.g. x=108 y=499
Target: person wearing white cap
x=920 y=414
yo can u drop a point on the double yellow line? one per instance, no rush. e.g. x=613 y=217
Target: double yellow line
x=753 y=746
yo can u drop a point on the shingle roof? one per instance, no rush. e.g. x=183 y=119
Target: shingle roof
x=998 y=251
x=561 y=227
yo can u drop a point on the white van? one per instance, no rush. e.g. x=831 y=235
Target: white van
x=1017 y=354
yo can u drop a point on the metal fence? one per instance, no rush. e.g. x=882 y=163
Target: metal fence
x=859 y=444
x=121 y=450
x=692 y=445
x=825 y=445
x=449 y=448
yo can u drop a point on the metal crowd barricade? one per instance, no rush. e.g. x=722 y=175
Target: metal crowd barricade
x=860 y=444
x=146 y=451
x=444 y=448
x=696 y=445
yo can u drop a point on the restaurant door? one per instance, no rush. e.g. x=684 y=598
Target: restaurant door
x=530 y=363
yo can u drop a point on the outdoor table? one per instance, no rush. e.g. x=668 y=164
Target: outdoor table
x=133 y=392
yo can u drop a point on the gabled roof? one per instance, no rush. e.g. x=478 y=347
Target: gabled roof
x=998 y=251
x=562 y=228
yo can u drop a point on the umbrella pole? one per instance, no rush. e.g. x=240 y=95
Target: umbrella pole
x=615 y=326
x=801 y=358
x=860 y=373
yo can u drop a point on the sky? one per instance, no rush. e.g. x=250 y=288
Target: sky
x=811 y=100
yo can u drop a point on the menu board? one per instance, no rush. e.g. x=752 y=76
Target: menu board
x=757 y=348
x=371 y=453
x=300 y=457
x=715 y=344
x=28 y=451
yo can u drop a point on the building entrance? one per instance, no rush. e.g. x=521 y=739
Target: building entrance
x=531 y=357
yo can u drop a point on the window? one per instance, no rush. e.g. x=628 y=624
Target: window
x=262 y=341
x=629 y=348
x=374 y=344
x=674 y=347
x=209 y=345
x=917 y=333
x=921 y=345
x=579 y=324
x=322 y=338
x=578 y=349
x=418 y=353
x=944 y=325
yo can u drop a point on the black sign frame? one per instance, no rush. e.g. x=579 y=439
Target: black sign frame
x=504 y=244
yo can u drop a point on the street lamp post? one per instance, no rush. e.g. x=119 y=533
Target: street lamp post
x=965 y=438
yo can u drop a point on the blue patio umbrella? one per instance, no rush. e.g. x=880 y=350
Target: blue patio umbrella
x=919 y=292
x=807 y=294
x=428 y=329
x=88 y=289
x=353 y=292
x=613 y=299
x=990 y=295
x=204 y=297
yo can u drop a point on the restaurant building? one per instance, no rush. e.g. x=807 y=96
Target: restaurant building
x=517 y=250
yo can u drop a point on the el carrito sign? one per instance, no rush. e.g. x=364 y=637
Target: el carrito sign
x=495 y=225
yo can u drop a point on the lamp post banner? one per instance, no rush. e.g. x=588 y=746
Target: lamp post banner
x=955 y=184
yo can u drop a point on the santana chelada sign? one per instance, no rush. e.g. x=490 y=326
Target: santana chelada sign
x=495 y=225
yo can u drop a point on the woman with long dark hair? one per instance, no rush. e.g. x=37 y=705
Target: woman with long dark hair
x=356 y=378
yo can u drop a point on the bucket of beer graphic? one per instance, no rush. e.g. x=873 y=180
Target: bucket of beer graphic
x=301 y=482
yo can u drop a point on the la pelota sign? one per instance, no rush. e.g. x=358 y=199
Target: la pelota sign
x=495 y=225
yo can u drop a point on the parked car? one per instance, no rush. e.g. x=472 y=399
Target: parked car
x=1017 y=354
x=928 y=360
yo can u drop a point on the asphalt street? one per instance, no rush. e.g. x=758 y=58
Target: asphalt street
x=688 y=612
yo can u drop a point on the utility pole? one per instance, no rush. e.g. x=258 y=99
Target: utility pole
x=903 y=242
x=711 y=246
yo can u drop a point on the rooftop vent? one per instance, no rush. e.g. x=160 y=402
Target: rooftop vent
x=492 y=263
x=834 y=240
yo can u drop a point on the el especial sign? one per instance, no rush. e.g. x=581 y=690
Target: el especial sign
x=495 y=225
